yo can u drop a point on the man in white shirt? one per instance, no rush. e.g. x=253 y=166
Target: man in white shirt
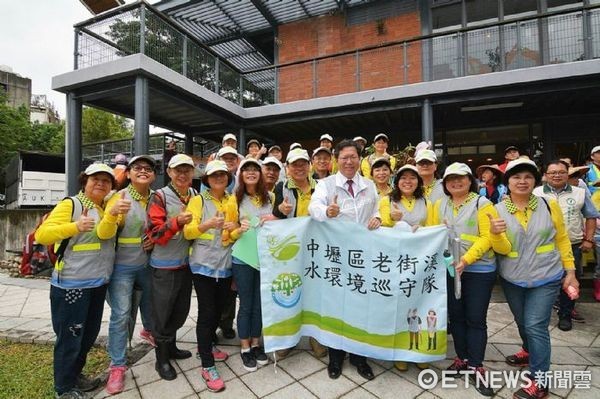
x=346 y=195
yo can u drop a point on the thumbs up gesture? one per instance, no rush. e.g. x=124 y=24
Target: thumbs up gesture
x=333 y=209
x=395 y=212
x=122 y=205
x=285 y=207
x=216 y=222
x=497 y=225
x=85 y=222
x=184 y=217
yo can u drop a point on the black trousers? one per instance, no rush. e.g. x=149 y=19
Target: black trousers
x=338 y=355
x=211 y=294
x=228 y=311
x=171 y=293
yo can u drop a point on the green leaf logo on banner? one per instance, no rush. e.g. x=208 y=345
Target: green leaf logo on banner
x=284 y=249
x=286 y=289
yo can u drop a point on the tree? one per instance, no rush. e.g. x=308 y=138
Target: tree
x=98 y=125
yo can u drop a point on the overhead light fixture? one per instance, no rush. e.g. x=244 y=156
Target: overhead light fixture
x=491 y=106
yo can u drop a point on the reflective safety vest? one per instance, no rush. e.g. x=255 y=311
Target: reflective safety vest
x=87 y=261
x=130 y=250
x=533 y=260
x=175 y=253
x=208 y=256
x=418 y=215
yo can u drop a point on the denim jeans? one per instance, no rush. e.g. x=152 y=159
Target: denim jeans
x=76 y=318
x=468 y=315
x=531 y=308
x=123 y=282
x=249 y=318
x=565 y=304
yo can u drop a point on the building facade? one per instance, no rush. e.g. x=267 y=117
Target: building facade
x=17 y=88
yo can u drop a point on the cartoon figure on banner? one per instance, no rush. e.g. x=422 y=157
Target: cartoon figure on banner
x=414 y=327
x=286 y=289
x=431 y=330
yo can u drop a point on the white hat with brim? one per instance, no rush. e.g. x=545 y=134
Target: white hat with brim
x=381 y=136
x=360 y=138
x=407 y=167
x=272 y=161
x=253 y=141
x=326 y=137
x=214 y=167
x=99 y=168
x=578 y=170
x=274 y=147
x=297 y=154
x=459 y=169
x=226 y=150
x=181 y=159
x=146 y=158
x=425 y=155
x=229 y=136
x=518 y=162
x=321 y=149
x=595 y=150
x=295 y=145
x=494 y=168
x=248 y=160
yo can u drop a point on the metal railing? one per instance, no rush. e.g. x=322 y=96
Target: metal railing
x=557 y=37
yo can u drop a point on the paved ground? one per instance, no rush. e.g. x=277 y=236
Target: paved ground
x=25 y=316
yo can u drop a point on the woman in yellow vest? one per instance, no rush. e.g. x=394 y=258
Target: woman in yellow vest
x=380 y=143
x=381 y=173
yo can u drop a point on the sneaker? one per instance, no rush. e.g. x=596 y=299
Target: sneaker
x=249 y=361
x=479 y=379
x=458 y=365
x=401 y=366
x=72 y=394
x=86 y=384
x=422 y=366
x=533 y=392
x=259 y=355
x=148 y=337
x=219 y=355
x=519 y=359
x=213 y=379
x=576 y=317
x=565 y=324
x=116 y=379
x=283 y=353
x=318 y=349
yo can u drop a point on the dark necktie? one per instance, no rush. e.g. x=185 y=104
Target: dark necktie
x=350 y=189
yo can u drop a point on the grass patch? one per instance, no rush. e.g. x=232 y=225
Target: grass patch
x=26 y=369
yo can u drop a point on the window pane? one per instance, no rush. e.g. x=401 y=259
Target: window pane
x=519 y=8
x=481 y=12
x=554 y=5
x=445 y=57
x=446 y=17
x=483 y=52
x=521 y=45
x=566 y=38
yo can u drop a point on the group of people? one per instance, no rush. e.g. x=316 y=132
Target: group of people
x=178 y=237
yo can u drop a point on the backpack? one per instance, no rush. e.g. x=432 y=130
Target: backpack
x=37 y=257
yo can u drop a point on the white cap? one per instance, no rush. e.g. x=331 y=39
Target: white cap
x=407 y=167
x=427 y=155
x=120 y=159
x=321 y=149
x=595 y=149
x=99 y=168
x=181 y=159
x=326 y=137
x=457 y=168
x=296 y=154
x=248 y=160
x=226 y=150
x=272 y=161
x=229 y=136
x=295 y=145
x=381 y=136
x=274 y=147
x=359 y=138
x=215 y=166
x=146 y=158
x=519 y=161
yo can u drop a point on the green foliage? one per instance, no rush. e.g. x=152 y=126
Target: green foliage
x=26 y=370
x=98 y=125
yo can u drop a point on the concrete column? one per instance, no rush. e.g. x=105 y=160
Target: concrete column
x=242 y=141
x=141 y=135
x=73 y=143
x=189 y=144
x=427 y=121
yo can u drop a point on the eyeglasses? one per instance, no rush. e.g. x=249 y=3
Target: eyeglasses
x=142 y=169
x=558 y=173
x=349 y=159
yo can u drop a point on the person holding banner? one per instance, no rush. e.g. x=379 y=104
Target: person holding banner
x=346 y=195
x=250 y=205
x=534 y=252
x=210 y=262
x=171 y=276
x=466 y=214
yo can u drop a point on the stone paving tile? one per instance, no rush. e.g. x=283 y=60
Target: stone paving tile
x=459 y=392
x=508 y=335
x=176 y=389
x=359 y=393
x=508 y=349
x=389 y=385
x=595 y=376
x=131 y=394
x=186 y=334
x=349 y=371
x=591 y=354
x=39 y=325
x=593 y=392
x=427 y=395
x=197 y=382
x=324 y=388
x=145 y=373
x=564 y=355
x=579 y=336
x=129 y=386
x=293 y=391
x=266 y=380
x=234 y=389
x=12 y=322
x=563 y=392
x=300 y=365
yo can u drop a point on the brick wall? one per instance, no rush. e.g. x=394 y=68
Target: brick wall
x=329 y=34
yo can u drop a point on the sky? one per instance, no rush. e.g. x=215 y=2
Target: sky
x=36 y=41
